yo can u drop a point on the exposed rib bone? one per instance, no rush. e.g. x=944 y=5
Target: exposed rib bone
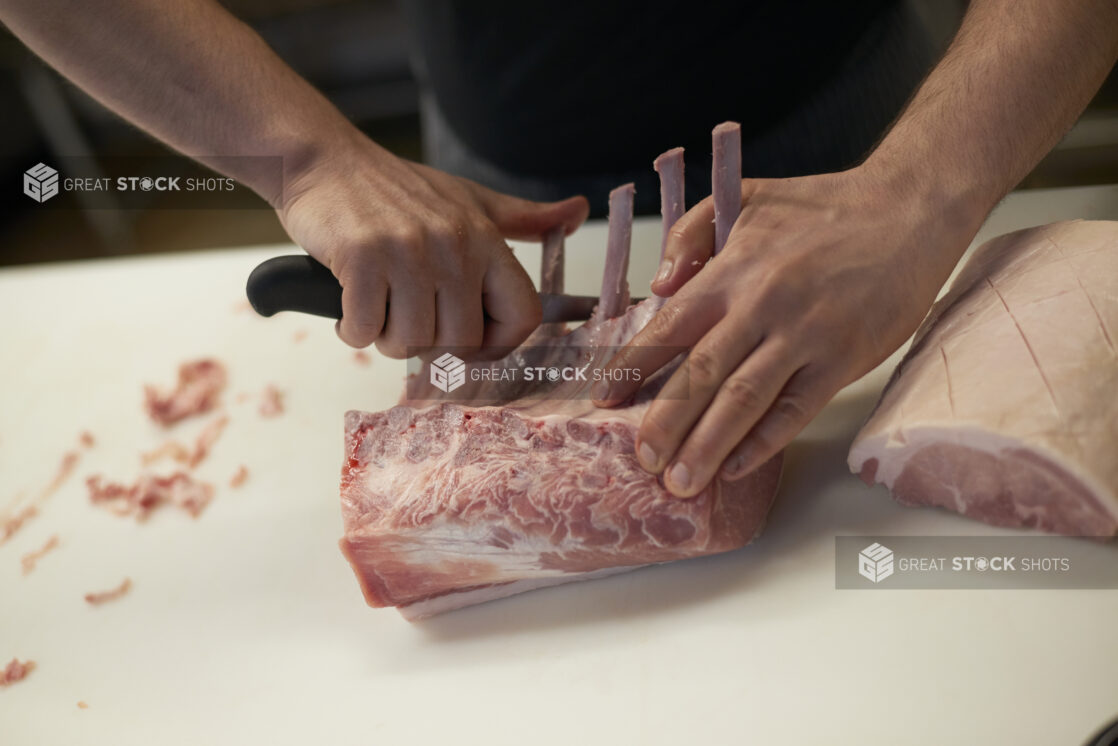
x=551 y=263
x=725 y=180
x=614 y=298
x=670 y=167
x=551 y=272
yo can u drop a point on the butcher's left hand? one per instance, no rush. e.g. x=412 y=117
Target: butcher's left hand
x=822 y=277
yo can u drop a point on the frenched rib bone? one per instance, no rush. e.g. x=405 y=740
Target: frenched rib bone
x=551 y=271
x=725 y=180
x=670 y=167
x=551 y=262
x=615 y=284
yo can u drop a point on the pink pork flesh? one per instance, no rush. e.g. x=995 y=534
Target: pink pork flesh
x=1005 y=407
x=447 y=505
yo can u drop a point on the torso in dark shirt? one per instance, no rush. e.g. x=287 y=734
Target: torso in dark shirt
x=588 y=86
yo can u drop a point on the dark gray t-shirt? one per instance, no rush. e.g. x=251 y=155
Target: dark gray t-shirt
x=566 y=91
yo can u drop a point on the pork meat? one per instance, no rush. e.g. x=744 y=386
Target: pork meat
x=447 y=505
x=1004 y=408
x=197 y=391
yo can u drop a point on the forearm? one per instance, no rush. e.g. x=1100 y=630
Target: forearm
x=1016 y=77
x=190 y=74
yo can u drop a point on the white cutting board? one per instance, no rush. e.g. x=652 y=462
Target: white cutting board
x=246 y=626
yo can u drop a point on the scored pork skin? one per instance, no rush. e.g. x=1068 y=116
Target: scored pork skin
x=1005 y=409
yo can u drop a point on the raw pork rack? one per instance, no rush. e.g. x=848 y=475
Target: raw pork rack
x=448 y=505
x=1005 y=408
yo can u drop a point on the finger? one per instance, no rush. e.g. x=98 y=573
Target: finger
x=411 y=319
x=459 y=320
x=363 y=308
x=510 y=302
x=525 y=219
x=741 y=400
x=689 y=392
x=677 y=326
x=806 y=392
x=690 y=244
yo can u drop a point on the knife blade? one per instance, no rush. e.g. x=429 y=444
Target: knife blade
x=300 y=283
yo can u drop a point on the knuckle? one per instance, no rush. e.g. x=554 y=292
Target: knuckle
x=762 y=440
x=784 y=420
x=656 y=428
x=469 y=343
x=450 y=229
x=701 y=446
x=353 y=266
x=391 y=350
x=703 y=368
x=791 y=410
x=409 y=234
x=356 y=335
x=364 y=331
x=484 y=229
x=667 y=322
x=679 y=235
x=394 y=346
x=741 y=394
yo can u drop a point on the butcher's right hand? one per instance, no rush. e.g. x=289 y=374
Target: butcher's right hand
x=421 y=255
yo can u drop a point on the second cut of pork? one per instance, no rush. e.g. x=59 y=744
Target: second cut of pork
x=1005 y=409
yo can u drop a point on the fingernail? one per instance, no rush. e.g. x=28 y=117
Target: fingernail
x=734 y=467
x=648 y=456
x=740 y=463
x=665 y=270
x=680 y=476
x=600 y=391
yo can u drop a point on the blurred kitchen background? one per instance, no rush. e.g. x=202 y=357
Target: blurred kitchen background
x=356 y=52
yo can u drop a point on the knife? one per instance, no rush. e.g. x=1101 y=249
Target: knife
x=300 y=283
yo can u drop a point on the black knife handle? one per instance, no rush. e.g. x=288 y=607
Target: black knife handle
x=294 y=283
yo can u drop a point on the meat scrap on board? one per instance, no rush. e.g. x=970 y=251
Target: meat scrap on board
x=453 y=503
x=16 y=670
x=103 y=597
x=30 y=559
x=13 y=518
x=176 y=451
x=1005 y=407
x=239 y=477
x=200 y=383
x=271 y=402
x=149 y=492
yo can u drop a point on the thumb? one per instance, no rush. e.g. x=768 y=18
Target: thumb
x=690 y=244
x=527 y=220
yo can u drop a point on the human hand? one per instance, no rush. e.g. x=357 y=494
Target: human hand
x=821 y=278
x=420 y=254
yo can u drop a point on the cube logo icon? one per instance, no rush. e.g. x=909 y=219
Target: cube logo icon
x=40 y=182
x=448 y=373
x=875 y=562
